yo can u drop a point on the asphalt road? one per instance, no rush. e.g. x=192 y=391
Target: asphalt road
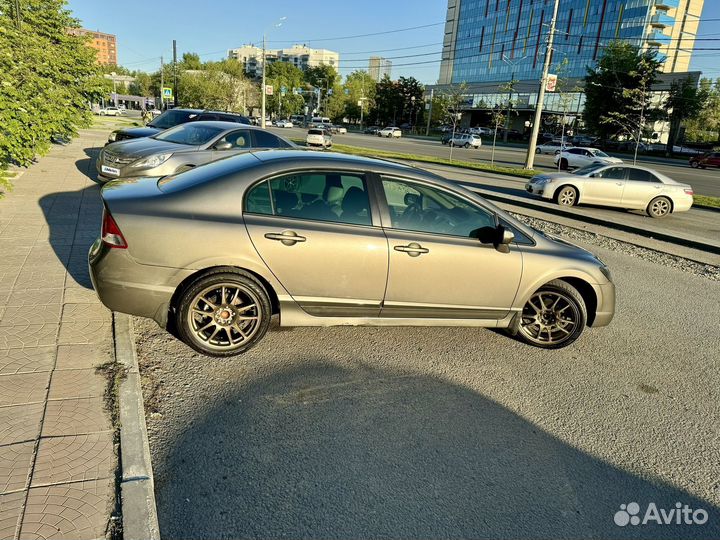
x=704 y=182
x=445 y=432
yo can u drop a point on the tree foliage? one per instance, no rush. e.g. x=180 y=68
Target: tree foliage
x=47 y=78
x=685 y=101
x=705 y=126
x=284 y=74
x=617 y=90
x=360 y=86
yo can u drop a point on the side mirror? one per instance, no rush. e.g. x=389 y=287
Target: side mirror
x=224 y=145
x=507 y=236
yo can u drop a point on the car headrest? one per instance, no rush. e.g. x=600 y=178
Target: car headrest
x=355 y=201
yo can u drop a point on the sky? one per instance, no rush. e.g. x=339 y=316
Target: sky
x=412 y=28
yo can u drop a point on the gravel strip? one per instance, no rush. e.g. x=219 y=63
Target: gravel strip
x=577 y=235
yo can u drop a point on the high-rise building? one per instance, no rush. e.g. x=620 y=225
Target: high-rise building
x=378 y=67
x=301 y=56
x=104 y=44
x=489 y=40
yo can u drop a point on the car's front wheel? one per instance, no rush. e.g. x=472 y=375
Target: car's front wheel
x=566 y=196
x=224 y=313
x=694 y=164
x=659 y=207
x=538 y=151
x=553 y=317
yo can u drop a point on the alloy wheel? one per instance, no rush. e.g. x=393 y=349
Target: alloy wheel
x=659 y=207
x=549 y=318
x=224 y=316
x=567 y=197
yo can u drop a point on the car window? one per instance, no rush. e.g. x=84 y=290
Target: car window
x=238 y=139
x=321 y=196
x=190 y=134
x=264 y=139
x=417 y=207
x=315 y=132
x=573 y=151
x=613 y=173
x=172 y=118
x=641 y=175
x=208 y=117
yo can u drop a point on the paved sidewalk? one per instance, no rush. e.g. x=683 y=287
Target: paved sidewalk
x=57 y=460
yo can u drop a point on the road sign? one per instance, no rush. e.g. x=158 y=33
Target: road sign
x=268 y=90
x=551 y=83
x=167 y=92
x=283 y=90
x=330 y=92
x=359 y=102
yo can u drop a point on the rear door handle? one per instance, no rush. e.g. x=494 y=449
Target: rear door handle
x=288 y=238
x=413 y=249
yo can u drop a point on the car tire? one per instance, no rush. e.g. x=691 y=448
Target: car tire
x=694 y=164
x=198 y=330
x=564 y=165
x=659 y=207
x=466 y=145
x=553 y=317
x=538 y=151
x=566 y=196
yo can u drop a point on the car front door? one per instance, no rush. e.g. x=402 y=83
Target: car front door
x=604 y=187
x=317 y=234
x=439 y=268
x=641 y=187
x=239 y=140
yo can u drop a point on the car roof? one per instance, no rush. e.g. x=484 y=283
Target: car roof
x=222 y=124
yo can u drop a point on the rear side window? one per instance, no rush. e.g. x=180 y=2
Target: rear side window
x=263 y=139
x=640 y=175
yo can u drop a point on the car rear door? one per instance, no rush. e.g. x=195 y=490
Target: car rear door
x=641 y=187
x=438 y=266
x=320 y=237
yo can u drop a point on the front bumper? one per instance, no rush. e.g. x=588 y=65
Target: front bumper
x=534 y=188
x=606 y=304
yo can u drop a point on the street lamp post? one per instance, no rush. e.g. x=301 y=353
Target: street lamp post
x=264 y=90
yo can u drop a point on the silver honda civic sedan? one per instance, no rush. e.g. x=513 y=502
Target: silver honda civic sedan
x=332 y=239
x=181 y=148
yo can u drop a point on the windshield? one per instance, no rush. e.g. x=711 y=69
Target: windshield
x=598 y=153
x=587 y=169
x=192 y=134
x=172 y=118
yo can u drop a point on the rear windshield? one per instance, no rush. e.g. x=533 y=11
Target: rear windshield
x=316 y=132
x=172 y=118
x=192 y=134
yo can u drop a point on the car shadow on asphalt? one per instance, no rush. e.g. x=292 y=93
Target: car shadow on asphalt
x=317 y=451
x=87 y=165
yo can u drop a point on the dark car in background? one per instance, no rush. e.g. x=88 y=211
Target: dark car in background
x=172 y=118
x=372 y=130
x=709 y=159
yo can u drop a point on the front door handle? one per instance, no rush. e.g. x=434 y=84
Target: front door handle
x=618 y=183
x=413 y=249
x=288 y=238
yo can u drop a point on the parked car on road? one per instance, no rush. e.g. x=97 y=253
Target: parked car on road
x=338 y=129
x=181 y=148
x=111 y=111
x=466 y=140
x=622 y=186
x=551 y=147
x=372 y=130
x=284 y=123
x=298 y=234
x=579 y=157
x=318 y=137
x=172 y=118
x=709 y=159
x=390 y=132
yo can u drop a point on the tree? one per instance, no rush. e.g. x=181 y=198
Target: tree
x=450 y=102
x=388 y=102
x=322 y=76
x=706 y=126
x=141 y=85
x=284 y=74
x=685 y=101
x=48 y=77
x=361 y=87
x=617 y=90
x=190 y=60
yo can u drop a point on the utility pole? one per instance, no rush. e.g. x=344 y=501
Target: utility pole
x=175 y=85
x=427 y=127
x=530 y=159
x=262 y=90
x=162 y=84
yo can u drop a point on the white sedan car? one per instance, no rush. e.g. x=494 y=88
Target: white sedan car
x=581 y=156
x=552 y=147
x=622 y=186
x=390 y=132
x=284 y=123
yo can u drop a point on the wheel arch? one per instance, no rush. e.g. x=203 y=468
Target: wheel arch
x=588 y=294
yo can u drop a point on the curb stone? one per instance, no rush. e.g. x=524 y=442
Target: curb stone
x=139 y=512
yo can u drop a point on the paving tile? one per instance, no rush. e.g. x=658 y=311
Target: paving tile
x=79 y=295
x=35 y=297
x=78 y=511
x=84 y=332
x=23 y=388
x=91 y=311
x=83 y=356
x=15 y=465
x=20 y=422
x=77 y=383
x=26 y=360
x=74 y=458
x=4 y=295
x=39 y=279
x=75 y=417
x=11 y=505
x=21 y=315
x=27 y=335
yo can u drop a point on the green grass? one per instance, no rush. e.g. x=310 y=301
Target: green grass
x=705 y=200
x=484 y=167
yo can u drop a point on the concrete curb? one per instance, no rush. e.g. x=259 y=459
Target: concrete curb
x=140 y=521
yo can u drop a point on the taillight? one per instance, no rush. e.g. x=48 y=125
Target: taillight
x=111 y=235
x=689 y=191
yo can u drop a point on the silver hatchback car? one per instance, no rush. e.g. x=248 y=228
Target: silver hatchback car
x=333 y=239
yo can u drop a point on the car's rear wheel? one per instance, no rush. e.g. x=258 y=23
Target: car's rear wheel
x=553 y=317
x=694 y=164
x=659 y=207
x=224 y=313
x=538 y=151
x=467 y=145
x=566 y=196
x=564 y=164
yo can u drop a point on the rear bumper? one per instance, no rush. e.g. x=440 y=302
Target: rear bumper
x=126 y=286
x=682 y=204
